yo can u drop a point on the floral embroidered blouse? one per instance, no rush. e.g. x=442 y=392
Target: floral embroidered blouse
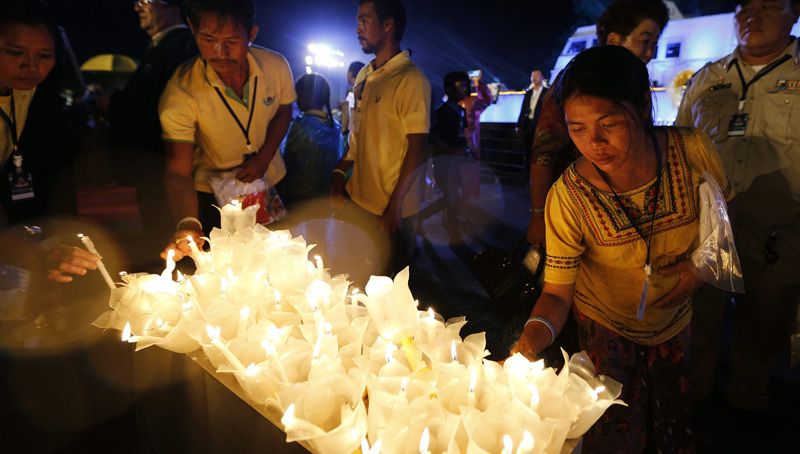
x=591 y=243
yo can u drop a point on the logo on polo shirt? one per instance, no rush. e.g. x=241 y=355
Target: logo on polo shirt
x=268 y=100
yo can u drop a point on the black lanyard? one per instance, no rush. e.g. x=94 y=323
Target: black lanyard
x=649 y=239
x=762 y=73
x=12 y=122
x=245 y=131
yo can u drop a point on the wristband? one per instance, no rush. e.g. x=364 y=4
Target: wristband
x=344 y=174
x=536 y=210
x=546 y=323
x=189 y=219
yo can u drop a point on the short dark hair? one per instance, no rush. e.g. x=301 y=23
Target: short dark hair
x=241 y=12
x=451 y=78
x=28 y=12
x=792 y=3
x=608 y=72
x=354 y=68
x=390 y=8
x=623 y=16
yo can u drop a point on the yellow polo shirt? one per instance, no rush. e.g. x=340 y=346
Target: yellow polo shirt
x=22 y=100
x=191 y=111
x=390 y=102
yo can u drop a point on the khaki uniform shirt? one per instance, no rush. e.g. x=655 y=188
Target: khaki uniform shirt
x=192 y=112
x=390 y=102
x=763 y=165
x=22 y=100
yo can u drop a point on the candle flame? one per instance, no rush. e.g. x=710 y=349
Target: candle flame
x=388 y=352
x=527 y=442
x=159 y=322
x=328 y=328
x=245 y=312
x=416 y=303
x=252 y=369
x=424 y=441
x=213 y=333
x=180 y=276
x=472 y=380
x=599 y=389
x=430 y=312
x=404 y=384
x=453 y=353
x=354 y=293
x=288 y=416
x=277 y=296
x=508 y=444
x=171 y=255
x=126 y=332
x=80 y=235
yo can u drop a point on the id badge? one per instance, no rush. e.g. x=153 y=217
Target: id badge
x=737 y=125
x=21 y=184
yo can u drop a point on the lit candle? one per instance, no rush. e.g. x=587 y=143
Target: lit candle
x=453 y=353
x=272 y=354
x=277 y=300
x=424 y=441
x=320 y=270
x=288 y=417
x=472 y=381
x=353 y=299
x=403 y=386
x=526 y=445
x=213 y=333
x=167 y=273
x=387 y=353
x=193 y=246
x=100 y=266
x=245 y=316
x=508 y=444
x=315 y=353
x=126 y=332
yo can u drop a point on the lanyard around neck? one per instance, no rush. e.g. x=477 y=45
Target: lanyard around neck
x=649 y=240
x=245 y=131
x=12 y=122
x=762 y=73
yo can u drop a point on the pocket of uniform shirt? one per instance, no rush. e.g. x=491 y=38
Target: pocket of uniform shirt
x=783 y=108
x=713 y=113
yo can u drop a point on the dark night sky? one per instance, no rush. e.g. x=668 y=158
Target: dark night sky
x=504 y=38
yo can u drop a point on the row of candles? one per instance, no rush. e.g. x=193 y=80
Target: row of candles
x=345 y=370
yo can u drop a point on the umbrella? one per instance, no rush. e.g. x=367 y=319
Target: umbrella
x=111 y=63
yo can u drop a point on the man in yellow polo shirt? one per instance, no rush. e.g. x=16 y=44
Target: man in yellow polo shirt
x=230 y=107
x=391 y=118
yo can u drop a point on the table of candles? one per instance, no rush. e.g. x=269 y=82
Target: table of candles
x=344 y=370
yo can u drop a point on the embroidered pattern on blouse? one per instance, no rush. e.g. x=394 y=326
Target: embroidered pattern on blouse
x=564 y=263
x=604 y=218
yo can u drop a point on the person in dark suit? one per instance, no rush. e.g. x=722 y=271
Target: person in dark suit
x=135 y=129
x=529 y=113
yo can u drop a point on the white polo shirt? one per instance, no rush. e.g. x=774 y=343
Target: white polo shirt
x=390 y=102
x=191 y=111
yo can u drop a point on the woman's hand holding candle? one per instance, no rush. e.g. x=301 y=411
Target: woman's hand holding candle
x=62 y=261
x=181 y=240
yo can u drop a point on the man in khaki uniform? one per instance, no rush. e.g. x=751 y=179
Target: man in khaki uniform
x=749 y=104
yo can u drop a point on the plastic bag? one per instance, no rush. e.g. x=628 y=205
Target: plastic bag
x=227 y=188
x=715 y=259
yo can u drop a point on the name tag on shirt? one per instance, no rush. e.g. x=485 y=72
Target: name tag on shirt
x=737 y=125
x=21 y=184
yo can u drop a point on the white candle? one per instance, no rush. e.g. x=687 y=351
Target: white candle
x=167 y=273
x=213 y=333
x=193 y=246
x=277 y=300
x=471 y=394
x=453 y=353
x=245 y=316
x=315 y=353
x=272 y=354
x=403 y=386
x=320 y=270
x=100 y=266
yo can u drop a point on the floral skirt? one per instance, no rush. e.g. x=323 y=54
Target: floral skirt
x=654 y=385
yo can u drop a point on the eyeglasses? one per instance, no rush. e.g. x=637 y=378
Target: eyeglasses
x=141 y=3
